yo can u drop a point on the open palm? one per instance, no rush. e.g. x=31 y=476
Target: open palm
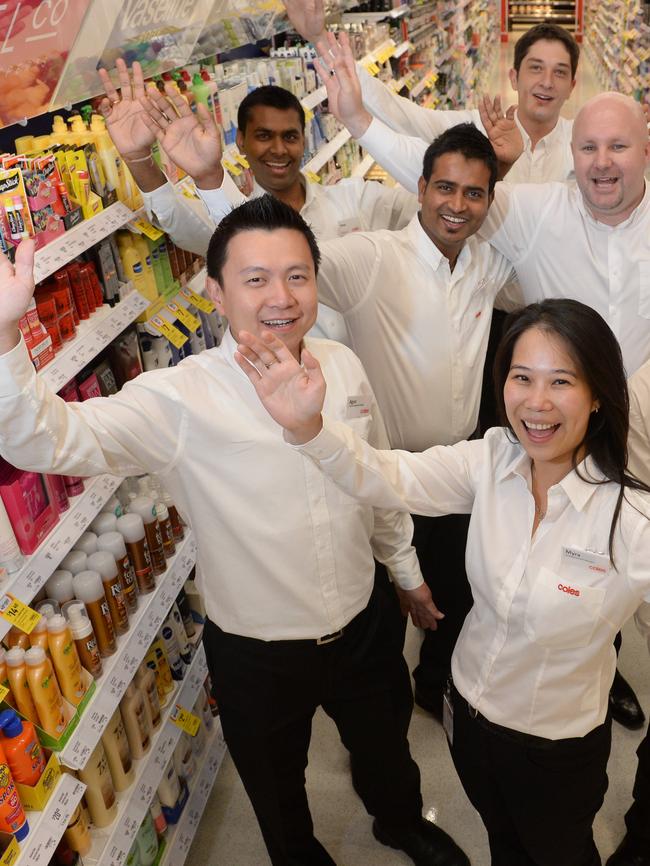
x=307 y=17
x=123 y=112
x=501 y=129
x=16 y=284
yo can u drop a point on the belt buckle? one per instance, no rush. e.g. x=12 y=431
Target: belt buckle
x=329 y=638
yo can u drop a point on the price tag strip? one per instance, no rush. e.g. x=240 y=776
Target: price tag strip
x=93 y=335
x=326 y=152
x=112 y=844
x=83 y=236
x=46 y=828
x=181 y=837
x=132 y=648
x=185 y=720
x=45 y=560
x=18 y=614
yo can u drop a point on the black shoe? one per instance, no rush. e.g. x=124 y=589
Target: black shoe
x=425 y=843
x=630 y=853
x=624 y=705
x=430 y=701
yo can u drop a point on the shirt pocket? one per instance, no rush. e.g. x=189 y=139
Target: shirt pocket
x=562 y=613
x=644 y=289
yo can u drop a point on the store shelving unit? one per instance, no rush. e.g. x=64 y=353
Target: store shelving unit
x=46 y=828
x=111 y=845
x=527 y=14
x=618 y=45
x=180 y=838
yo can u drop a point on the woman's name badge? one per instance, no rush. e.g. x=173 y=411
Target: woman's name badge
x=357 y=407
x=589 y=560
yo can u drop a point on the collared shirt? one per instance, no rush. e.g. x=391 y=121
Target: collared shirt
x=535 y=653
x=282 y=552
x=638 y=442
x=331 y=211
x=402 y=157
x=420 y=329
x=560 y=250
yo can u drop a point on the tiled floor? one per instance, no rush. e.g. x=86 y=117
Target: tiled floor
x=228 y=834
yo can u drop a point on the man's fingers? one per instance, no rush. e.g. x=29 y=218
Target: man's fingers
x=138 y=80
x=24 y=268
x=176 y=99
x=248 y=368
x=124 y=77
x=153 y=115
x=108 y=85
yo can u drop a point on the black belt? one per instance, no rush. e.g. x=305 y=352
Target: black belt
x=329 y=638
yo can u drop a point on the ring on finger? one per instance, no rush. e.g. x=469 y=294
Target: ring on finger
x=270 y=364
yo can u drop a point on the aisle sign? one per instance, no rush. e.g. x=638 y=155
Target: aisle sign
x=35 y=38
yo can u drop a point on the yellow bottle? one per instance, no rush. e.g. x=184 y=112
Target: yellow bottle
x=17 y=676
x=60 y=131
x=133 y=267
x=65 y=659
x=4 y=679
x=38 y=635
x=24 y=144
x=110 y=157
x=45 y=691
x=143 y=250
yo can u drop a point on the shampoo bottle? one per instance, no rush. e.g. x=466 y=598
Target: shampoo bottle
x=45 y=691
x=88 y=587
x=65 y=659
x=104 y=563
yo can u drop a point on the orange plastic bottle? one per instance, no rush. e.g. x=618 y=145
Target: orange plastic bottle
x=22 y=748
x=12 y=815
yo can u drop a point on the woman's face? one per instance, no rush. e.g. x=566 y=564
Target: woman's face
x=547 y=400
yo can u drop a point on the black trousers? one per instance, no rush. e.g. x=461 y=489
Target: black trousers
x=440 y=544
x=537 y=798
x=268 y=692
x=637 y=818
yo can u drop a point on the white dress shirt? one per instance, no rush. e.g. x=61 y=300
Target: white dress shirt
x=560 y=250
x=282 y=552
x=638 y=442
x=550 y=160
x=536 y=651
x=420 y=329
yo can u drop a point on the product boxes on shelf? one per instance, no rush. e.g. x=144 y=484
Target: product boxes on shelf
x=34 y=799
x=26 y=498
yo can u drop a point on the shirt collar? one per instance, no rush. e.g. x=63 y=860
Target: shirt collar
x=428 y=252
x=578 y=491
x=311 y=190
x=546 y=141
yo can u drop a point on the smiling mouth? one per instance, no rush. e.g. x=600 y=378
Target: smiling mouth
x=277 y=166
x=453 y=221
x=539 y=432
x=604 y=183
x=543 y=97
x=278 y=324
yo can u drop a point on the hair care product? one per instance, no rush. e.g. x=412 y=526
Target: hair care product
x=17 y=676
x=87 y=542
x=112 y=506
x=131 y=526
x=11 y=559
x=145 y=679
x=113 y=543
x=136 y=722
x=169 y=789
x=88 y=587
x=45 y=691
x=22 y=748
x=104 y=522
x=48 y=607
x=12 y=815
x=77 y=834
x=104 y=563
x=58 y=493
x=147 y=841
x=118 y=753
x=146 y=508
x=100 y=793
x=74 y=562
x=166 y=529
x=59 y=586
x=84 y=638
x=65 y=659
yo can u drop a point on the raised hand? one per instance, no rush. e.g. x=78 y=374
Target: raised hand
x=16 y=290
x=192 y=141
x=292 y=394
x=124 y=113
x=337 y=68
x=307 y=18
x=501 y=129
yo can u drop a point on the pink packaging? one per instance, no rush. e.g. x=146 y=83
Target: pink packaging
x=31 y=512
x=69 y=392
x=58 y=495
x=90 y=387
x=74 y=485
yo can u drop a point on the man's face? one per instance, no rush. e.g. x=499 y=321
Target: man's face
x=268 y=284
x=611 y=151
x=454 y=202
x=274 y=144
x=544 y=82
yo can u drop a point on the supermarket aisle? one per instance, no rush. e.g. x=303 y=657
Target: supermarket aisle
x=228 y=834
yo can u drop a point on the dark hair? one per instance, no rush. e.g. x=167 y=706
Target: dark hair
x=463 y=138
x=552 y=33
x=273 y=97
x=265 y=213
x=595 y=349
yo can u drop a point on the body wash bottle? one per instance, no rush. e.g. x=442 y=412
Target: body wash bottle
x=45 y=691
x=65 y=659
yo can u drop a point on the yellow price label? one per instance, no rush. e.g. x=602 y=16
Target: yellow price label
x=147 y=229
x=232 y=168
x=371 y=67
x=241 y=159
x=11 y=854
x=203 y=304
x=18 y=613
x=309 y=114
x=175 y=337
x=312 y=176
x=185 y=720
x=183 y=316
x=4 y=691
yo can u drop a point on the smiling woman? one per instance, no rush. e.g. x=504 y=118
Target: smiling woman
x=553 y=507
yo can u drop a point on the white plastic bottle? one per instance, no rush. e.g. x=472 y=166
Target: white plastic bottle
x=74 y=562
x=11 y=559
x=59 y=586
x=87 y=542
x=100 y=793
